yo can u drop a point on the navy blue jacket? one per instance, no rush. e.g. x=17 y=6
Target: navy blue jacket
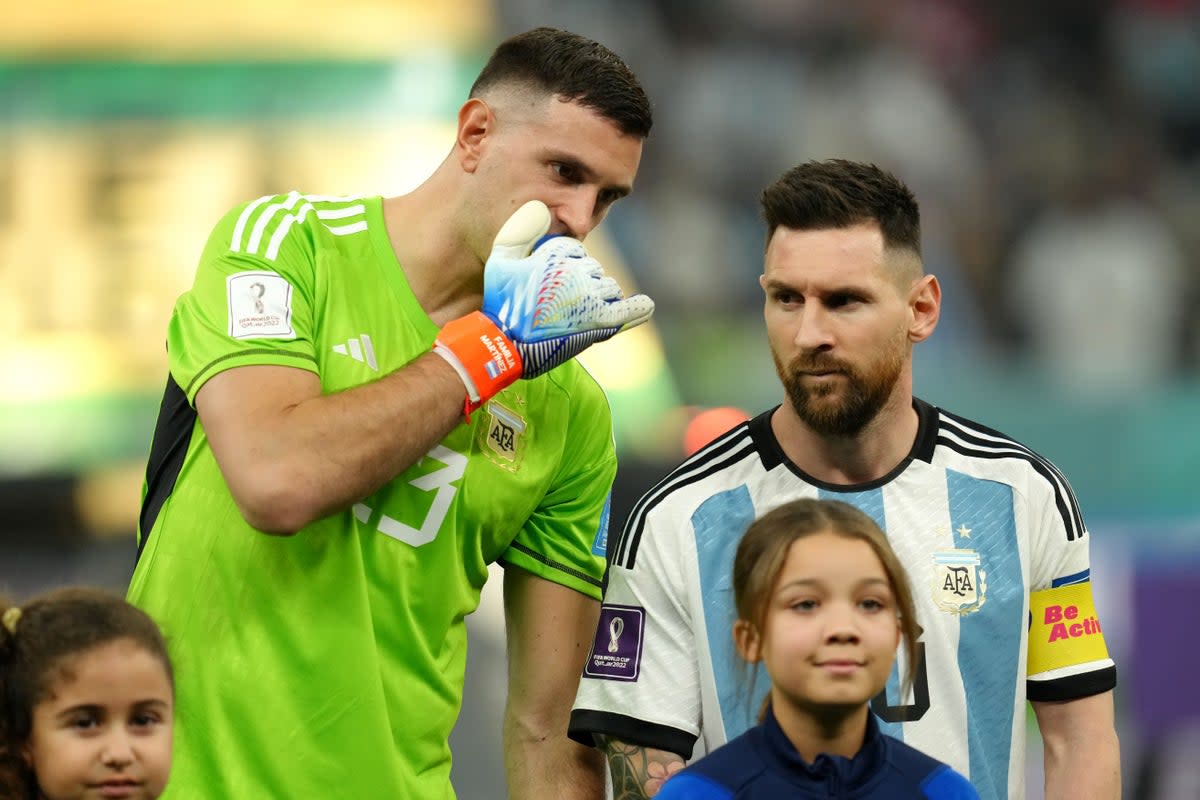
x=762 y=763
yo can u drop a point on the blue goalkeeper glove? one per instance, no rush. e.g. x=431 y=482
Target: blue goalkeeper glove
x=546 y=301
x=556 y=302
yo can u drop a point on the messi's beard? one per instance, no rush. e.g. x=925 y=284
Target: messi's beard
x=863 y=393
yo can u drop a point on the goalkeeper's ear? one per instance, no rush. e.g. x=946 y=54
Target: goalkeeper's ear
x=523 y=229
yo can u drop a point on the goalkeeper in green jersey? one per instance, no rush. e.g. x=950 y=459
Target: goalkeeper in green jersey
x=371 y=399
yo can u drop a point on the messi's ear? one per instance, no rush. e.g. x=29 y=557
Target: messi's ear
x=925 y=303
x=747 y=641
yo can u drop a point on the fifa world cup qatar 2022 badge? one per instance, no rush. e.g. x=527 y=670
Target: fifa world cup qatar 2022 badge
x=260 y=305
x=959 y=583
x=617 y=651
x=502 y=439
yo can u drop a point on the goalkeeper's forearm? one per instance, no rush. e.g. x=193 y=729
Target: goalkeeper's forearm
x=291 y=453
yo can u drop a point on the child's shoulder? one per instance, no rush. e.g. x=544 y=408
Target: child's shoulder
x=739 y=756
x=937 y=780
x=723 y=772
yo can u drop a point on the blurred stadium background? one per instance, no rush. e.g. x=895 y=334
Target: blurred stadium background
x=1054 y=146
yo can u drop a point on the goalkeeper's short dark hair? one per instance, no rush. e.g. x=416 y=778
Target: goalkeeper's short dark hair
x=837 y=194
x=573 y=68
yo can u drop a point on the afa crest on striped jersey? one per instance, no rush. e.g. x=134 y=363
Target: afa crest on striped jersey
x=959 y=583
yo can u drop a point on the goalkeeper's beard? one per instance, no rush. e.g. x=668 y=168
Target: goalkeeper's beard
x=845 y=406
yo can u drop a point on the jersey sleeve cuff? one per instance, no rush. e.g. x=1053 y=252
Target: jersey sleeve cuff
x=518 y=555
x=1072 y=687
x=587 y=724
x=246 y=358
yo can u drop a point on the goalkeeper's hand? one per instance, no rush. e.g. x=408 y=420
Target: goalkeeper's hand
x=539 y=309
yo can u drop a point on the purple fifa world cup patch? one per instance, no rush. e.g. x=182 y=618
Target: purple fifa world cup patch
x=617 y=652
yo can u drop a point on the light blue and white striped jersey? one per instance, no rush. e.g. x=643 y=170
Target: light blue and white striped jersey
x=980 y=523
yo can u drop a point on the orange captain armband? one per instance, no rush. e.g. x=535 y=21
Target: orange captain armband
x=1064 y=629
x=481 y=354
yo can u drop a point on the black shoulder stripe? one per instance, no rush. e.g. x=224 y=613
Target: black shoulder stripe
x=168 y=448
x=1068 y=514
x=985 y=435
x=729 y=449
x=713 y=449
x=1047 y=469
x=971 y=443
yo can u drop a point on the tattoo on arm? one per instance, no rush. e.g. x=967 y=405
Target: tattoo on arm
x=638 y=772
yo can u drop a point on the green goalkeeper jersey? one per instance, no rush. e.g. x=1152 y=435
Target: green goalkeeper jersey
x=330 y=663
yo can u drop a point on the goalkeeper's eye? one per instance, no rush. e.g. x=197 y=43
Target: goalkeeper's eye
x=608 y=197
x=567 y=172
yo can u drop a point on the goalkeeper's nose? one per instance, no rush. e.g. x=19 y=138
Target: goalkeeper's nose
x=577 y=214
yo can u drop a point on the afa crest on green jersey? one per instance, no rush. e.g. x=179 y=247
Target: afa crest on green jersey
x=503 y=436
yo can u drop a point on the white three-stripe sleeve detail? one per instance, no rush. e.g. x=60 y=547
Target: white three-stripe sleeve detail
x=264 y=219
x=340 y=213
x=284 y=226
x=235 y=244
x=346 y=230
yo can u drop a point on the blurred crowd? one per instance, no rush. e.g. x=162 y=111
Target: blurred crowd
x=1054 y=147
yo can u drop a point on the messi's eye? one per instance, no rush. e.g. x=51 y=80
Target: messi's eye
x=843 y=300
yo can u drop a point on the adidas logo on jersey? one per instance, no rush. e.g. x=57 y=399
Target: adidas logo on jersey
x=360 y=349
